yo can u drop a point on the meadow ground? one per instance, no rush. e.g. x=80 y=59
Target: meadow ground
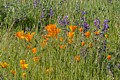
x=59 y=40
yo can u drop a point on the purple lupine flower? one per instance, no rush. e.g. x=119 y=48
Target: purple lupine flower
x=105 y=25
x=64 y=21
x=85 y=26
x=97 y=23
x=83 y=12
x=51 y=12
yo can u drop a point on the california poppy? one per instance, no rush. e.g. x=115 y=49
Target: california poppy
x=87 y=34
x=72 y=28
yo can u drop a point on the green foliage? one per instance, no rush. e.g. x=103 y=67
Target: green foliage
x=56 y=63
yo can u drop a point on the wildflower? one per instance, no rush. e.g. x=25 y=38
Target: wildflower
x=34 y=50
x=49 y=70
x=105 y=25
x=61 y=39
x=109 y=57
x=83 y=43
x=90 y=45
x=77 y=58
x=62 y=46
x=87 y=34
x=96 y=32
x=72 y=28
x=13 y=72
x=70 y=34
x=106 y=36
x=70 y=41
x=64 y=21
x=22 y=62
x=44 y=43
x=86 y=26
x=20 y=35
x=81 y=29
x=52 y=30
x=24 y=66
x=36 y=59
x=97 y=24
x=28 y=46
x=29 y=36
x=24 y=75
x=4 y=64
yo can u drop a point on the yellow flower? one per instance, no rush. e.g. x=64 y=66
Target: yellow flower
x=22 y=62
x=34 y=50
x=24 y=66
x=87 y=34
x=20 y=35
x=24 y=75
x=4 y=64
x=70 y=34
x=13 y=72
x=49 y=70
x=106 y=35
x=72 y=28
x=29 y=36
x=36 y=59
x=81 y=29
x=77 y=58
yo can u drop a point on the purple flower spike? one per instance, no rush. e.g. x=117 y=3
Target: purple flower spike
x=86 y=26
x=64 y=21
x=105 y=25
x=51 y=12
x=97 y=23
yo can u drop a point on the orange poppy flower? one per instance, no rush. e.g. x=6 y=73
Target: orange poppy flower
x=52 y=30
x=90 y=45
x=81 y=29
x=20 y=35
x=4 y=64
x=28 y=46
x=70 y=34
x=87 y=34
x=83 y=43
x=72 y=28
x=22 y=62
x=61 y=39
x=36 y=59
x=96 y=32
x=34 y=50
x=109 y=57
x=62 y=46
x=29 y=36
x=24 y=66
x=70 y=41
x=13 y=72
x=77 y=58
x=44 y=43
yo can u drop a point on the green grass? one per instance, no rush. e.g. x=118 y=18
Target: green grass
x=60 y=62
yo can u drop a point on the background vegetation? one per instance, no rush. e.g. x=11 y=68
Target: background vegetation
x=56 y=63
